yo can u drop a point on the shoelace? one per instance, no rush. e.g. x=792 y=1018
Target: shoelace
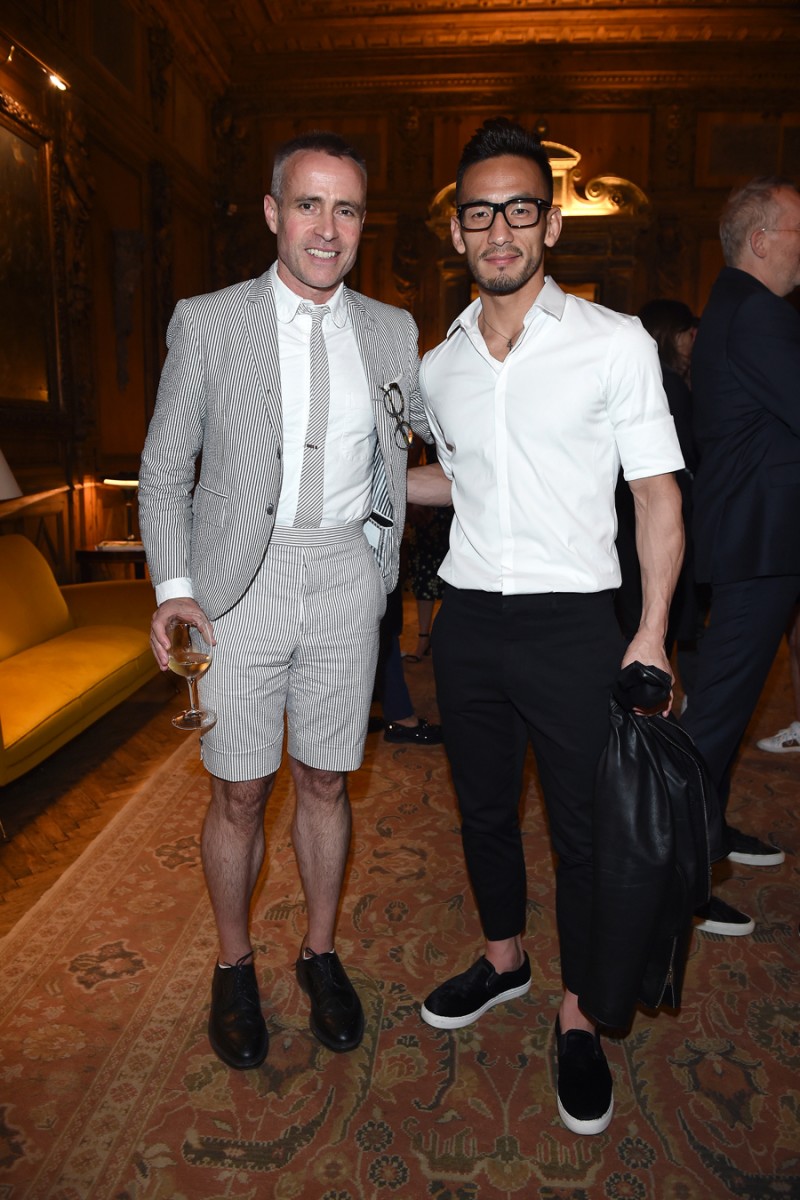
x=241 y=985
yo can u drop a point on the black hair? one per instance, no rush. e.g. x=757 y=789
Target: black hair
x=664 y=320
x=499 y=136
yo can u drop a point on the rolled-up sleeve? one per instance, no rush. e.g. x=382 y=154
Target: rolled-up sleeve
x=637 y=406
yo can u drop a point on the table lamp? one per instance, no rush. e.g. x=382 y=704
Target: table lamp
x=129 y=487
x=9 y=488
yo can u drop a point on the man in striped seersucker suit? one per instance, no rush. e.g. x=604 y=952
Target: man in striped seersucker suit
x=288 y=542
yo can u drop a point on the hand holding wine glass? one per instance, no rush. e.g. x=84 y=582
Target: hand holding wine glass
x=191 y=651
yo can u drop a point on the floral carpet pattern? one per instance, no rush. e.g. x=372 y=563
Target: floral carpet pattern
x=109 y=1090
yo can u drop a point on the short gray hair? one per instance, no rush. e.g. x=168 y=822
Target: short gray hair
x=747 y=209
x=318 y=139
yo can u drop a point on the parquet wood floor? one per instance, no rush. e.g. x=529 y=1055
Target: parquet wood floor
x=51 y=814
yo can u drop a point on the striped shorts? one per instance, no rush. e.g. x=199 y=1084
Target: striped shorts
x=302 y=642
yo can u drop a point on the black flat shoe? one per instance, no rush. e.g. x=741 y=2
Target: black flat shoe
x=421 y=734
x=337 y=1017
x=236 y=1026
x=461 y=1000
x=585 y=1091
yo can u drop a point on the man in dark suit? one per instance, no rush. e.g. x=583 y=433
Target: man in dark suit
x=295 y=392
x=746 y=384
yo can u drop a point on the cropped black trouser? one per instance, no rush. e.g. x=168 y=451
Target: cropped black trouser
x=514 y=669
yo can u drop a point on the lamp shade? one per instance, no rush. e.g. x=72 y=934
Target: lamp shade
x=9 y=488
x=128 y=487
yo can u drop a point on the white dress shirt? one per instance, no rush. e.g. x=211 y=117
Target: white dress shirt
x=351 y=435
x=533 y=445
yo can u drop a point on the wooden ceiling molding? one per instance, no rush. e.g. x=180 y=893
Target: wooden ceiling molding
x=255 y=44
x=598 y=88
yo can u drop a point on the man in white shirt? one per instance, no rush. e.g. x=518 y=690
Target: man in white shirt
x=534 y=399
x=294 y=390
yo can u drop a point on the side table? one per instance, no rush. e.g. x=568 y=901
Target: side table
x=125 y=553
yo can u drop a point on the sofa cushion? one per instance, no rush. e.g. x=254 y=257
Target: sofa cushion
x=67 y=678
x=32 y=608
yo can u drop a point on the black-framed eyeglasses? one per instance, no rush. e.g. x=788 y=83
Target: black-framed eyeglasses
x=393 y=403
x=520 y=213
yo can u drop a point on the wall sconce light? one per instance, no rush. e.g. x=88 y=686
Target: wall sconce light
x=128 y=487
x=56 y=80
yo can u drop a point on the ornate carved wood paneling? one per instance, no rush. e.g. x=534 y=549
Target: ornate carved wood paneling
x=161 y=47
x=169 y=138
x=161 y=215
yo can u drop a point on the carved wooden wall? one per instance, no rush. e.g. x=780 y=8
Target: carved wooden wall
x=130 y=211
x=159 y=154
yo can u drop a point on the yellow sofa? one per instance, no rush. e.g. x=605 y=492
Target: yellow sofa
x=67 y=654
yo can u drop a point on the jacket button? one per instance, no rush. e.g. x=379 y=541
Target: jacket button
x=278 y=452
x=270 y=509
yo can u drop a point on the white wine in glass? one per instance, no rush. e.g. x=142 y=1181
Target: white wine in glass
x=190 y=654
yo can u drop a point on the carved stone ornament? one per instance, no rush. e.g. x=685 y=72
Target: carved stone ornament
x=603 y=196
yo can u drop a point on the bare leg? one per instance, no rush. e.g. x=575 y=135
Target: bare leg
x=506 y=955
x=321 y=837
x=232 y=845
x=571 y=1017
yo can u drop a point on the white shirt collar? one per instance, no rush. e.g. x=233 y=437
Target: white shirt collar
x=551 y=299
x=288 y=302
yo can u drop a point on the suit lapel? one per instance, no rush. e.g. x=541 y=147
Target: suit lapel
x=382 y=369
x=261 y=325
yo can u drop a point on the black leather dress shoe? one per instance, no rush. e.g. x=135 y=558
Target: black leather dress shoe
x=337 y=1017
x=236 y=1027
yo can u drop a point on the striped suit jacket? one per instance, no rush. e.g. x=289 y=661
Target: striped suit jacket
x=219 y=402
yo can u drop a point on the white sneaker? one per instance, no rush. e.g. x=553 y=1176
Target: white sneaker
x=786 y=741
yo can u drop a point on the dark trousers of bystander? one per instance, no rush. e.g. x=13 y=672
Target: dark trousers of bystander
x=748 y=619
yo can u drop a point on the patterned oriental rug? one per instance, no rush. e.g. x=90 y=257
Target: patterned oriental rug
x=108 y=1087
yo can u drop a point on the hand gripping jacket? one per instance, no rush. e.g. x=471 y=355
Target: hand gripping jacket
x=657 y=829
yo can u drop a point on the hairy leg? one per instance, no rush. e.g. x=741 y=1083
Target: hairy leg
x=321 y=837
x=232 y=845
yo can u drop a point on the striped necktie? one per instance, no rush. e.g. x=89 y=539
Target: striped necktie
x=312 y=474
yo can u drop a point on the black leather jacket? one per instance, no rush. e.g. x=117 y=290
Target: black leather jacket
x=657 y=829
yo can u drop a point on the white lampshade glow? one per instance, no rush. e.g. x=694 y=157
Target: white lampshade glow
x=9 y=488
x=129 y=486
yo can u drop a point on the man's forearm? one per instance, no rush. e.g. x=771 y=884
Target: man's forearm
x=660 y=545
x=429 y=485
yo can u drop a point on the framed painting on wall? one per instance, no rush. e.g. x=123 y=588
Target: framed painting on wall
x=26 y=290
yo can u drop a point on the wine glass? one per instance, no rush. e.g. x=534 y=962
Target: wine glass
x=190 y=653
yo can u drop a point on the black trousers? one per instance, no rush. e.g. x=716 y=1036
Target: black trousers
x=748 y=619
x=514 y=669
